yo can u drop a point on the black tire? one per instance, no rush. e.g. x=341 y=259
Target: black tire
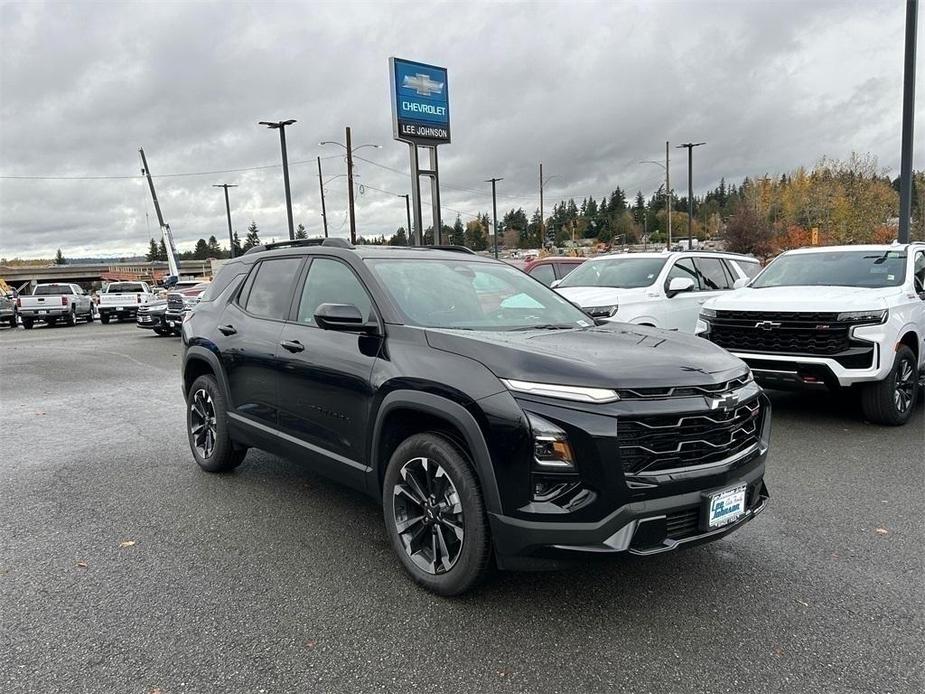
x=104 y=318
x=52 y=322
x=448 y=478
x=13 y=321
x=90 y=315
x=71 y=318
x=161 y=332
x=205 y=395
x=27 y=323
x=892 y=400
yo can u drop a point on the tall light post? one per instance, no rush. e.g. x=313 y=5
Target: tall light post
x=281 y=126
x=226 y=186
x=668 y=196
x=350 y=149
x=905 y=167
x=543 y=182
x=494 y=210
x=690 y=190
x=324 y=214
x=407 y=198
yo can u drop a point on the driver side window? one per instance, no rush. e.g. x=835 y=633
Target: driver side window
x=918 y=273
x=684 y=268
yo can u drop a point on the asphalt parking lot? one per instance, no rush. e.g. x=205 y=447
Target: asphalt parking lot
x=124 y=568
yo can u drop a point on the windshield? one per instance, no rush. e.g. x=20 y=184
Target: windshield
x=623 y=273
x=835 y=268
x=472 y=295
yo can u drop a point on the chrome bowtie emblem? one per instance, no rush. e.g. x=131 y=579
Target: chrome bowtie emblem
x=422 y=84
x=767 y=325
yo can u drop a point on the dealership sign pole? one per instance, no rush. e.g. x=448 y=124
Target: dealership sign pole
x=421 y=118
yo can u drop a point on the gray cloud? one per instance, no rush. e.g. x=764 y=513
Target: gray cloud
x=588 y=88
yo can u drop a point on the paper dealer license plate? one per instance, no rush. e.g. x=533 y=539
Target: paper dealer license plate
x=725 y=507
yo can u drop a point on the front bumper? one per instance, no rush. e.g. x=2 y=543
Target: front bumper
x=794 y=371
x=643 y=527
x=154 y=321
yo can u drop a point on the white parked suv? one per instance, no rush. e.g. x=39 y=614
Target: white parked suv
x=832 y=317
x=664 y=290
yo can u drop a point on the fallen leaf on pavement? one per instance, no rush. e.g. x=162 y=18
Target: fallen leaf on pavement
x=882 y=531
x=311 y=643
x=127 y=543
x=82 y=565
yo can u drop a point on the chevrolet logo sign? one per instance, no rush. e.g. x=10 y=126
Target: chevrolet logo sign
x=767 y=325
x=422 y=84
x=725 y=403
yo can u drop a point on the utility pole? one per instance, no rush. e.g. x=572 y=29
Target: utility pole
x=407 y=198
x=324 y=214
x=281 y=126
x=350 y=201
x=226 y=186
x=494 y=210
x=690 y=190
x=905 y=169
x=542 y=214
x=670 y=197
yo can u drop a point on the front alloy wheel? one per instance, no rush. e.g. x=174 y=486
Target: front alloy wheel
x=892 y=400
x=202 y=423
x=429 y=516
x=905 y=387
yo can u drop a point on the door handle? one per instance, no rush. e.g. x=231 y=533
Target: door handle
x=227 y=330
x=293 y=346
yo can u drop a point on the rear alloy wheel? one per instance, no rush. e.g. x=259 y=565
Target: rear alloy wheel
x=207 y=428
x=892 y=400
x=435 y=515
x=71 y=317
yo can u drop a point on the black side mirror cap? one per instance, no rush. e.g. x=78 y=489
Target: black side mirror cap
x=343 y=317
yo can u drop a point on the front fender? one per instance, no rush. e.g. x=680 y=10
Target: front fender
x=454 y=414
x=201 y=353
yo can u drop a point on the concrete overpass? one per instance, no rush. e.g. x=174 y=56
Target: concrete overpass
x=87 y=275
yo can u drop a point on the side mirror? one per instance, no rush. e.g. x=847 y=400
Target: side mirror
x=678 y=285
x=555 y=283
x=342 y=317
x=739 y=283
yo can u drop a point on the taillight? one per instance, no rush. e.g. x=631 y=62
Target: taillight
x=18 y=302
x=64 y=301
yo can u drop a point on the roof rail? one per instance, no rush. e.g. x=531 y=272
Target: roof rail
x=297 y=243
x=455 y=249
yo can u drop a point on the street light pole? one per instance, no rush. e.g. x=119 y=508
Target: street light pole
x=668 y=195
x=324 y=214
x=905 y=168
x=690 y=190
x=494 y=210
x=226 y=186
x=281 y=126
x=542 y=213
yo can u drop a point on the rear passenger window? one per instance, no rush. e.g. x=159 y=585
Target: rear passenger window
x=750 y=268
x=270 y=291
x=713 y=274
x=331 y=282
x=565 y=268
x=543 y=273
x=684 y=268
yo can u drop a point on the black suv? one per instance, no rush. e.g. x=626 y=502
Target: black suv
x=496 y=423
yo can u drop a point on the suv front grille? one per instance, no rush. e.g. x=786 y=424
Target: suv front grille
x=175 y=302
x=780 y=332
x=654 y=444
x=683 y=391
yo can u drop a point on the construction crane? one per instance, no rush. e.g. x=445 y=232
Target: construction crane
x=172 y=264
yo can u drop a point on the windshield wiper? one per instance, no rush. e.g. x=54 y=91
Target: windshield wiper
x=547 y=326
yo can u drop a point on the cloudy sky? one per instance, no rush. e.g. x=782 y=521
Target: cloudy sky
x=589 y=89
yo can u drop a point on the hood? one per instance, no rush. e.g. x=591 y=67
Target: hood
x=605 y=296
x=823 y=298
x=617 y=355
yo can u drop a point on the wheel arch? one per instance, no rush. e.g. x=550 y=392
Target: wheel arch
x=199 y=361
x=911 y=339
x=404 y=413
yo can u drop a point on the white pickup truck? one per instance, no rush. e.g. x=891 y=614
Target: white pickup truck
x=122 y=299
x=53 y=302
x=831 y=318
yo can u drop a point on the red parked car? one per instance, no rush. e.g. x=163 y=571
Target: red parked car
x=551 y=268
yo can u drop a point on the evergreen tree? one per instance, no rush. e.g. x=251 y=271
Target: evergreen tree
x=458 y=235
x=399 y=238
x=215 y=249
x=253 y=237
x=236 y=244
x=59 y=258
x=151 y=256
x=300 y=232
x=162 y=251
x=201 y=252
x=475 y=234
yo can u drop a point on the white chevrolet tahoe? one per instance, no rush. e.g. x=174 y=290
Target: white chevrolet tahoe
x=664 y=290
x=832 y=317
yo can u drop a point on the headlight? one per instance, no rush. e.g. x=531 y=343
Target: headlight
x=707 y=313
x=551 y=449
x=550 y=390
x=863 y=316
x=602 y=311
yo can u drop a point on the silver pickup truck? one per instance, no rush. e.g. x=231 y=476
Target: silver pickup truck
x=53 y=302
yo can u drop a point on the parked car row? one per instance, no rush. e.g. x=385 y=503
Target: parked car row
x=50 y=303
x=164 y=316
